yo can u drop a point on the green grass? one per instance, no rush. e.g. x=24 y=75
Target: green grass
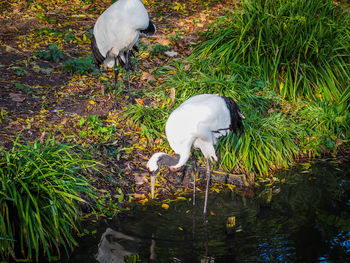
x=324 y=128
x=150 y=120
x=52 y=54
x=41 y=189
x=266 y=144
x=301 y=48
x=94 y=128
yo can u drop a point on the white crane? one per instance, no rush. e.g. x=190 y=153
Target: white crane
x=198 y=122
x=116 y=33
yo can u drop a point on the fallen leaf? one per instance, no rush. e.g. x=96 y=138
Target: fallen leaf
x=165 y=206
x=11 y=49
x=140 y=179
x=231 y=221
x=140 y=101
x=17 y=97
x=147 y=76
x=14 y=123
x=158 y=141
x=143 y=201
x=187 y=67
x=139 y=196
x=212 y=213
x=172 y=96
x=171 y=53
x=42 y=136
x=64 y=121
x=163 y=41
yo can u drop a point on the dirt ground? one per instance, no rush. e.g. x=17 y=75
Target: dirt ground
x=39 y=100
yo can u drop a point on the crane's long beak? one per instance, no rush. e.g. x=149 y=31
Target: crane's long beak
x=153 y=181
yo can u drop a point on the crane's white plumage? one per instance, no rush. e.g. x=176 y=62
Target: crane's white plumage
x=116 y=33
x=198 y=122
x=117 y=29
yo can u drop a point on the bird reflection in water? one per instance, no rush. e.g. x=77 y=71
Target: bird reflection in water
x=114 y=246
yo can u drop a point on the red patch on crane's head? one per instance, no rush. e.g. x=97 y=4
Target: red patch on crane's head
x=149 y=170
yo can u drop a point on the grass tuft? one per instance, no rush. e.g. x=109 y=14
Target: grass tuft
x=300 y=47
x=52 y=54
x=80 y=65
x=150 y=120
x=41 y=189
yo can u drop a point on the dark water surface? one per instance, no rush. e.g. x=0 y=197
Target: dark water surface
x=304 y=218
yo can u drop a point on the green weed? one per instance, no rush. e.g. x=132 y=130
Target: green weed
x=25 y=89
x=52 y=54
x=300 y=47
x=47 y=31
x=151 y=120
x=134 y=258
x=94 y=128
x=69 y=37
x=41 y=189
x=19 y=71
x=158 y=48
x=80 y=65
x=3 y=115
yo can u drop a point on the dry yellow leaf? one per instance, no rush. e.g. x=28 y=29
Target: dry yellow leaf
x=165 y=206
x=140 y=101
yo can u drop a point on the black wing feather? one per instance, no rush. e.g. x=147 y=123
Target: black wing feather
x=236 y=119
x=98 y=58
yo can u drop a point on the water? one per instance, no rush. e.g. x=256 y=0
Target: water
x=306 y=218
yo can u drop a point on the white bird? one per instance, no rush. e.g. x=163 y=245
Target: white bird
x=116 y=33
x=197 y=123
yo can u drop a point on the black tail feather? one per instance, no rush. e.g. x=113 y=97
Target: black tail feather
x=98 y=58
x=235 y=113
x=150 y=30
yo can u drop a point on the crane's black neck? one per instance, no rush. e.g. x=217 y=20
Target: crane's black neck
x=166 y=159
x=236 y=119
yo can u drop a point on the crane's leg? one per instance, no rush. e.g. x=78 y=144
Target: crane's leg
x=116 y=72
x=194 y=178
x=127 y=68
x=208 y=168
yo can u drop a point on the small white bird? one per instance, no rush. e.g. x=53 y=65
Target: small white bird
x=198 y=122
x=116 y=33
